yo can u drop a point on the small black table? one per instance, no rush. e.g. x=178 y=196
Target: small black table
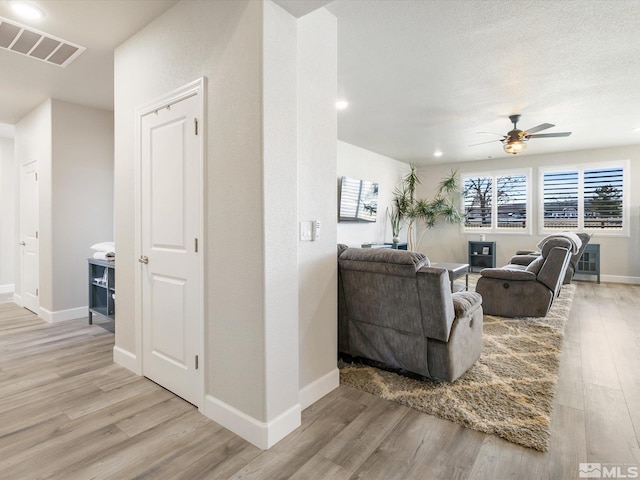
x=456 y=270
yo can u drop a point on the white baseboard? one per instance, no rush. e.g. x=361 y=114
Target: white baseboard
x=126 y=359
x=17 y=299
x=63 y=315
x=8 y=288
x=313 y=392
x=619 y=279
x=262 y=435
x=608 y=279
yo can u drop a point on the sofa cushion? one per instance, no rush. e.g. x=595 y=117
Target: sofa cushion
x=507 y=274
x=523 y=259
x=515 y=266
x=383 y=260
x=575 y=242
x=535 y=266
x=553 y=242
x=584 y=237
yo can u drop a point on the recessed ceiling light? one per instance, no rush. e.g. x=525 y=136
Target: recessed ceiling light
x=341 y=104
x=437 y=153
x=27 y=10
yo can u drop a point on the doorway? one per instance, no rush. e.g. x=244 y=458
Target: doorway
x=171 y=173
x=29 y=276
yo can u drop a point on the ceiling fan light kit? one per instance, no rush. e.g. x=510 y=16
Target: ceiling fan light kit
x=514 y=147
x=516 y=140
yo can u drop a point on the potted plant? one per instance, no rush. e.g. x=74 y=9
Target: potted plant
x=441 y=207
x=396 y=222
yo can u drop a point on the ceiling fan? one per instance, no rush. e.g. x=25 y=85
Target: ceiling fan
x=516 y=140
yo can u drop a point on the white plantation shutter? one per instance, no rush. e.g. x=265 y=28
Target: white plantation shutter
x=560 y=191
x=496 y=201
x=478 y=196
x=512 y=201
x=603 y=198
x=586 y=197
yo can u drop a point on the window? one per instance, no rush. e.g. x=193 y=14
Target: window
x=496 y=201
x=512 y=201
x=603 y=198
x=585 y=197
x=478 y=192
x=561 y=200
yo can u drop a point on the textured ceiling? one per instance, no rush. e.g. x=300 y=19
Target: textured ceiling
x=420 y=75
x=428 y=75
x=98 y=25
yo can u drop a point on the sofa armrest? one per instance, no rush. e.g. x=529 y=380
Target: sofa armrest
x=448 y=360
x=506 y=274
x=552 y=272
x=523 y=260
x=465 y=302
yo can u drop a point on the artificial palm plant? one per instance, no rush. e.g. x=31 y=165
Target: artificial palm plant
x=409 y=209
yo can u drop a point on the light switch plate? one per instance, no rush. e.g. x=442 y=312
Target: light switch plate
x=306 y=231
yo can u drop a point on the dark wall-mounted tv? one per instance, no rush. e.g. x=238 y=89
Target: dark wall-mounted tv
x=358 y=200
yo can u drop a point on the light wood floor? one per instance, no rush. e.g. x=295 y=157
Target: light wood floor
x=67 y=412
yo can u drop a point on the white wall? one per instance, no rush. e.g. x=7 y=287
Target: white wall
x=248 y=52
x=619 y=255
x=74 y=149
x=363 y=164
x=224 y=42
x=82 y=197
x=316 y=199
x=279 y=212
x=8 y=191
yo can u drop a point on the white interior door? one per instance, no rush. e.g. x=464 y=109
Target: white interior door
x=29 y=236
x=171 y=202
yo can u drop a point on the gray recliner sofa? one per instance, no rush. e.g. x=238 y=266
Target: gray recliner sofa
x=526 y=290
x=394 y=308
x=525 y=257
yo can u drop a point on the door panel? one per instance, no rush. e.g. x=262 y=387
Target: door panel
x=170 y=213
x=167 y=185
x=168 y=309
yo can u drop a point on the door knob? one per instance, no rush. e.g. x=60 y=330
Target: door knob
x=22 y=243
x=143 y=259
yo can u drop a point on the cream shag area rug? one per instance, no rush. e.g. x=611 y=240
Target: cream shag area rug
x=508 y=392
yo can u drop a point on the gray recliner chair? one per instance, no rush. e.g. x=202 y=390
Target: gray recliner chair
x=394 y=308
x=526 y=291
x=525 y=257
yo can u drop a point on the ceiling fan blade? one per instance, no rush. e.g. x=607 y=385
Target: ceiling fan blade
x=549 y=135
x=542 y=126
x=482 y=143
x=492 y=133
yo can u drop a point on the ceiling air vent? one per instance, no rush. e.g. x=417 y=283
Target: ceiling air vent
x=35 y=44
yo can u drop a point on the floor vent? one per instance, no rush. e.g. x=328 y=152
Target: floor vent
x=35 y=44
